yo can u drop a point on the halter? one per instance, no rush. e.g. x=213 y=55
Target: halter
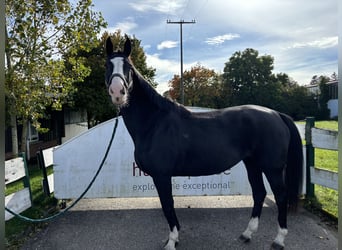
x=122 y=75
x=125 y=83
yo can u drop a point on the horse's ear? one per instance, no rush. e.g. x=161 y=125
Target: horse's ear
x=128 y=46
x=109 y=46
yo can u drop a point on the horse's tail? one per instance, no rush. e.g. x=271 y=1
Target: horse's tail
x=294 y=169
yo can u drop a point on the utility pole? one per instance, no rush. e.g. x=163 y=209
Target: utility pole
x=181 y=22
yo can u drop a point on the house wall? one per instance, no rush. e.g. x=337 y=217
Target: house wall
x=62 y=126
x=75 y=123
x=72 y=130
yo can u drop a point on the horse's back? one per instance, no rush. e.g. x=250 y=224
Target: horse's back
x=250 y=128
x=216 y=140
x=268 y=135
x=210 y=142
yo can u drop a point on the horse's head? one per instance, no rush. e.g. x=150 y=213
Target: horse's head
x=119 y=79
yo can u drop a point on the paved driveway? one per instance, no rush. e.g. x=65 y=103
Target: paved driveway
x=207 y=223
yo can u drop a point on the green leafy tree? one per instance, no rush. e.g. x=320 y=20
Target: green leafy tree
x=38 y=75
x=295 y=100
x=323 y=98
x=298 y=103
x=248 y=79
x=92 y=94
x=246 y=76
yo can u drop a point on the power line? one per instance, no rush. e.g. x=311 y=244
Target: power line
x=181 y=22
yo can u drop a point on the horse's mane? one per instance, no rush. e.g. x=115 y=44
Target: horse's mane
x=160 y=101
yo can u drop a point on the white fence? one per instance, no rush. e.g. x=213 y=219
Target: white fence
x=16 y=169
x=323 y=139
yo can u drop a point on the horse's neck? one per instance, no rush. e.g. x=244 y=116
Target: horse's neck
x=139 y=115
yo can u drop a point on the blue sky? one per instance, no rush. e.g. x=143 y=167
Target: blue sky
x=300 y=35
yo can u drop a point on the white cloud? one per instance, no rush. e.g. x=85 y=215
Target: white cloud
x=167 y=45
x=127 y=26
x=166 y=7
x=323 y=43
x=165 y=70
x=216 y=40
x=146 y=47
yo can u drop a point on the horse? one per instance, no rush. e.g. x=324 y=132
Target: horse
x=170 y=140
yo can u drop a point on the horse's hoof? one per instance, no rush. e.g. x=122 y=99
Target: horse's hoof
x=276 y=246
x=244 y=239
x=168 y=246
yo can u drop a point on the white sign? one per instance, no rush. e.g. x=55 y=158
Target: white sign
x=76 y=162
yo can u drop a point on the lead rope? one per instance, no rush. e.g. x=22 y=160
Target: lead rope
x=81 y=196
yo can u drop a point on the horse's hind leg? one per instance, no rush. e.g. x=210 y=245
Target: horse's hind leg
x=164 y=188
x=259 y=194
x=277 y=182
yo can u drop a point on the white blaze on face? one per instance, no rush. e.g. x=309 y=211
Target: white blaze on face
x=116 y=86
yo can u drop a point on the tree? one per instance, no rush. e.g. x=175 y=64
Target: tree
x=92 y=94
x=38 y=34
x=201 y=87
x=246 y=76
x=248 y=79
x=334 y=77
x=298 y=102
x=323 y=98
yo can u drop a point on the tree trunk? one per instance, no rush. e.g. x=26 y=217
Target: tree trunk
x=24 y=136
x=13 y=121
x=14 y=133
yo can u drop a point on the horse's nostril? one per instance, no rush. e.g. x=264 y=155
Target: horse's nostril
x=122 y=91
x=111 y=91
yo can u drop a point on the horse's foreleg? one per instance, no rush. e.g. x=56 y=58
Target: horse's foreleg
x=164 y=188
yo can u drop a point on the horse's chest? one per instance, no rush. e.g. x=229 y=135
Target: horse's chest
x=157 y=155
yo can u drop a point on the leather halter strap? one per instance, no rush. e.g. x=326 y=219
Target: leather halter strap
x=120 y=76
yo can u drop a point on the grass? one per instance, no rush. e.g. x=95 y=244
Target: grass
x=330 y=125
x=16 y=230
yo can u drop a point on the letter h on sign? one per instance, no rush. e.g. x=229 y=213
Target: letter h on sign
x=135 y=169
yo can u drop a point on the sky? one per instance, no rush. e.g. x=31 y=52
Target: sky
x=301 y=36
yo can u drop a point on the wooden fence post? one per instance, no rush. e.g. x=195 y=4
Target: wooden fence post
x=41 y=163
x=26 y=179
x=310 y=156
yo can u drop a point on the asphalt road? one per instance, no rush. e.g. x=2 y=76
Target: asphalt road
x=207 y=223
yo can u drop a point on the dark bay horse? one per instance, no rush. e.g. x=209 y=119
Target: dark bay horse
x=172 y=141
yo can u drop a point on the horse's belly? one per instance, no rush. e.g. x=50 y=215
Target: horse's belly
x=198 y=166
